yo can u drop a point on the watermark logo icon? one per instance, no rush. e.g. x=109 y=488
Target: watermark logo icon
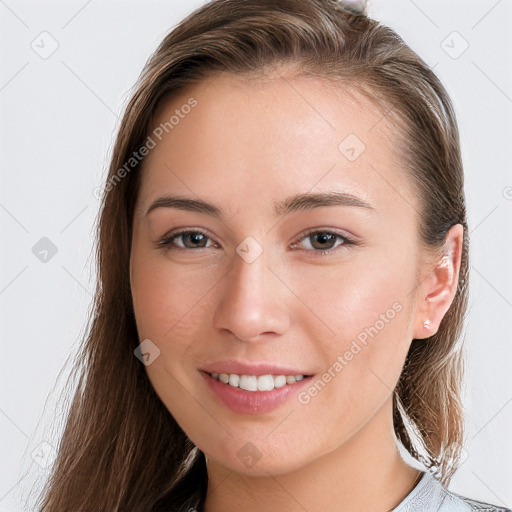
x=249 y=249
x=352 y=147
x=249 y=454
x=44 y=250
x=44 y=454
x=147 y=352
x=454 y=45
x=45 y=45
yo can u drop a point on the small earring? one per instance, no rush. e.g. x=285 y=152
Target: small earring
x=427 y=324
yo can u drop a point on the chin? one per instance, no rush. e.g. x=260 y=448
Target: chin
x=257 y=458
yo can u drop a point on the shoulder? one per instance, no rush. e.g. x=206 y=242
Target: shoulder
x=430 y=496
x=466 y=504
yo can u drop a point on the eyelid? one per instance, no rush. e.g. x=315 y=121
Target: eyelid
x=167 y=240
x=331 y=231
x=347 y=240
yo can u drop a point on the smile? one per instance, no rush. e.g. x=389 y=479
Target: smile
x=256 y=382
x=254 y=394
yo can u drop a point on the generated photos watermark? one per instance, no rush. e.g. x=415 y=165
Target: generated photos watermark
x=342 y=360
x=151 y=141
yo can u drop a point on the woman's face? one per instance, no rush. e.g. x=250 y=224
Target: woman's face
x=305 y=263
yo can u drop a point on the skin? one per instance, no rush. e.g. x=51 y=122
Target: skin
x=244 y=147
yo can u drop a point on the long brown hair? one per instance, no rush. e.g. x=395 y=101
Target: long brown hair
x=121 y=449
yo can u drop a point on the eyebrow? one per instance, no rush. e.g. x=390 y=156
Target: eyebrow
x=299 y=202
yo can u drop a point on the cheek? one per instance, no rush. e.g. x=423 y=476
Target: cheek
x=356 y=296
x=368 y=311
x=169 y=300
x=171 y=307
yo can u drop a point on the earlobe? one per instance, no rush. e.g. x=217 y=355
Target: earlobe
x=438 y=288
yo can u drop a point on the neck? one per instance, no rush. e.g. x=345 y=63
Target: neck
x=367 y=473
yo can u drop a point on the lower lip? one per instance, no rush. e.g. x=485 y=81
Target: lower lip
x=253 y=402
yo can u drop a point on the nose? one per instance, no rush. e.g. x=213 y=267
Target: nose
x=252 y=301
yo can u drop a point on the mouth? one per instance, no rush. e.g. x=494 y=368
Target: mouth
x=254 y=394
x=254 y=383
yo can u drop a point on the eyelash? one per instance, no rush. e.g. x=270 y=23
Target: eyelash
x=168 y=239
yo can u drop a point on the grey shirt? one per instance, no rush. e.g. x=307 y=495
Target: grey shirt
x=430 y=496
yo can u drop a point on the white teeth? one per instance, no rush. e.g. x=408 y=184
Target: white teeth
x=256 y=383
x=279 y=381
x=265 y=383
x=234 y=380
x=248 y=382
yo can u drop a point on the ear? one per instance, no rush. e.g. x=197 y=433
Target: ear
x=437 y=289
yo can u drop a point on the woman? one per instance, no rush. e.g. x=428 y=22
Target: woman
x=283 y=266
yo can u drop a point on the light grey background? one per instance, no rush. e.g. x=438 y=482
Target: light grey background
x=59 y=113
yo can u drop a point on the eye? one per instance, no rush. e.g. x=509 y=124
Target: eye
x=186 y=239
x=323 y=242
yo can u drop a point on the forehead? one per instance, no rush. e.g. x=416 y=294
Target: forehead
x=271 y=137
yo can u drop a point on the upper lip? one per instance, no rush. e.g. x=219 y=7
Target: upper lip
x=242 y=368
